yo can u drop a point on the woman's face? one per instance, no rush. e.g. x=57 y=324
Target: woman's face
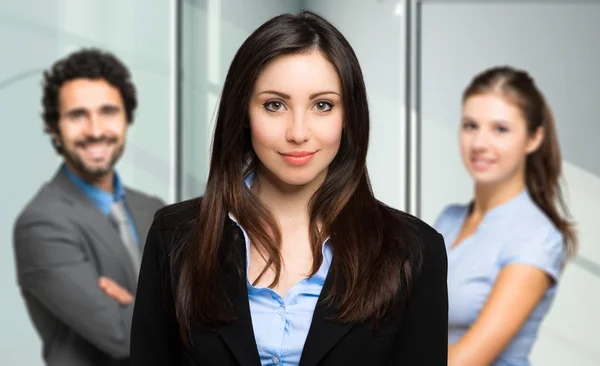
x=494 y=141
x=296 y=118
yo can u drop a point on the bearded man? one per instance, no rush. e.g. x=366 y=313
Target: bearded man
x=78 y=242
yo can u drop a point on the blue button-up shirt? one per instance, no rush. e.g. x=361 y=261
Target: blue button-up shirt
x=281 y=324
x=102 y=199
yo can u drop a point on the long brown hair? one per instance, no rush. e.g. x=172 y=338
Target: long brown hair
x=543 y=166
x=365 y=235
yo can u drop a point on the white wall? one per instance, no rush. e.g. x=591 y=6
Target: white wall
x=33 y=34
x=558 y=43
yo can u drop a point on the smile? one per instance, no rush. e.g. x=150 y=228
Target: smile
x=480 y=164
x=96 y=150
x=297 y=157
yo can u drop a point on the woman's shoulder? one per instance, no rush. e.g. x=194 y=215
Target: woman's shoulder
x=424 y=251
x=178 y=215
x=406 y=222
x=417 y=235
x=451 y=212
x=531 y=215
x=172 y=228
x=174 y=224
x=450 y=218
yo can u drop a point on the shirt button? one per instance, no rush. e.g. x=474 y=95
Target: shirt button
x=280 y=311
x=275 y=360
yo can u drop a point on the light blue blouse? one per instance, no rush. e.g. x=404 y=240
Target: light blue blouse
x=281 y=325
x=514 y=232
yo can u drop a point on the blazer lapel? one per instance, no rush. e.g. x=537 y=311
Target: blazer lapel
x=88 y=213
x=323 y=333
x=239 y=334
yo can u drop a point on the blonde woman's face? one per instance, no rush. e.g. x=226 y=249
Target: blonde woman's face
x=494 y=141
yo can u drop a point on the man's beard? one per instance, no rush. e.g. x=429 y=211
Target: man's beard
x=93 y=172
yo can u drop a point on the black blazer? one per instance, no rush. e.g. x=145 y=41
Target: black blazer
x=418 y=336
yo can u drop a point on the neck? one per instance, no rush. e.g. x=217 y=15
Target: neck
x=105 y=181
x=488 y=197
x=287 y=202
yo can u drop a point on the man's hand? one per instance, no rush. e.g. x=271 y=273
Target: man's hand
x=115 y=291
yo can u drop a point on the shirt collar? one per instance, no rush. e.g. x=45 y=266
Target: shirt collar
x=102 y=199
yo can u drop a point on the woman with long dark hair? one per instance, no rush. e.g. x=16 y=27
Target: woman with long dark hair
x=507 y=247
x=288 y=258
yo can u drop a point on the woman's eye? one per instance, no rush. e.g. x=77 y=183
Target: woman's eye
x=469 y=126
x=323 y=106
x=273 y=106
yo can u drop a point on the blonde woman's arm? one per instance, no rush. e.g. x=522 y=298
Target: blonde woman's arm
x=518 y=289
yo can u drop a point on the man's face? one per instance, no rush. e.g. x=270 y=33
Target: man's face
x=92 y=126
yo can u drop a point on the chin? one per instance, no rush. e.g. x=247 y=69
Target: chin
x=482 y=177
x=296 y=181
x=486 y=179
x=296 y=178
x=98 y=165
x=98 y=168
x=98 y=172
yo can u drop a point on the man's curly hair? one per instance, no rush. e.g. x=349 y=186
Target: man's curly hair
x=88 y=63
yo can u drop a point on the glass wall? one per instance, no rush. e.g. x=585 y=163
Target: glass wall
x=33 y=34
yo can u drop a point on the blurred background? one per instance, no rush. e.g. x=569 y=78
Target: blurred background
x=417 y=56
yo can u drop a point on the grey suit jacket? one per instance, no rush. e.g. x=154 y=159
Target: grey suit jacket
x=62 y=245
